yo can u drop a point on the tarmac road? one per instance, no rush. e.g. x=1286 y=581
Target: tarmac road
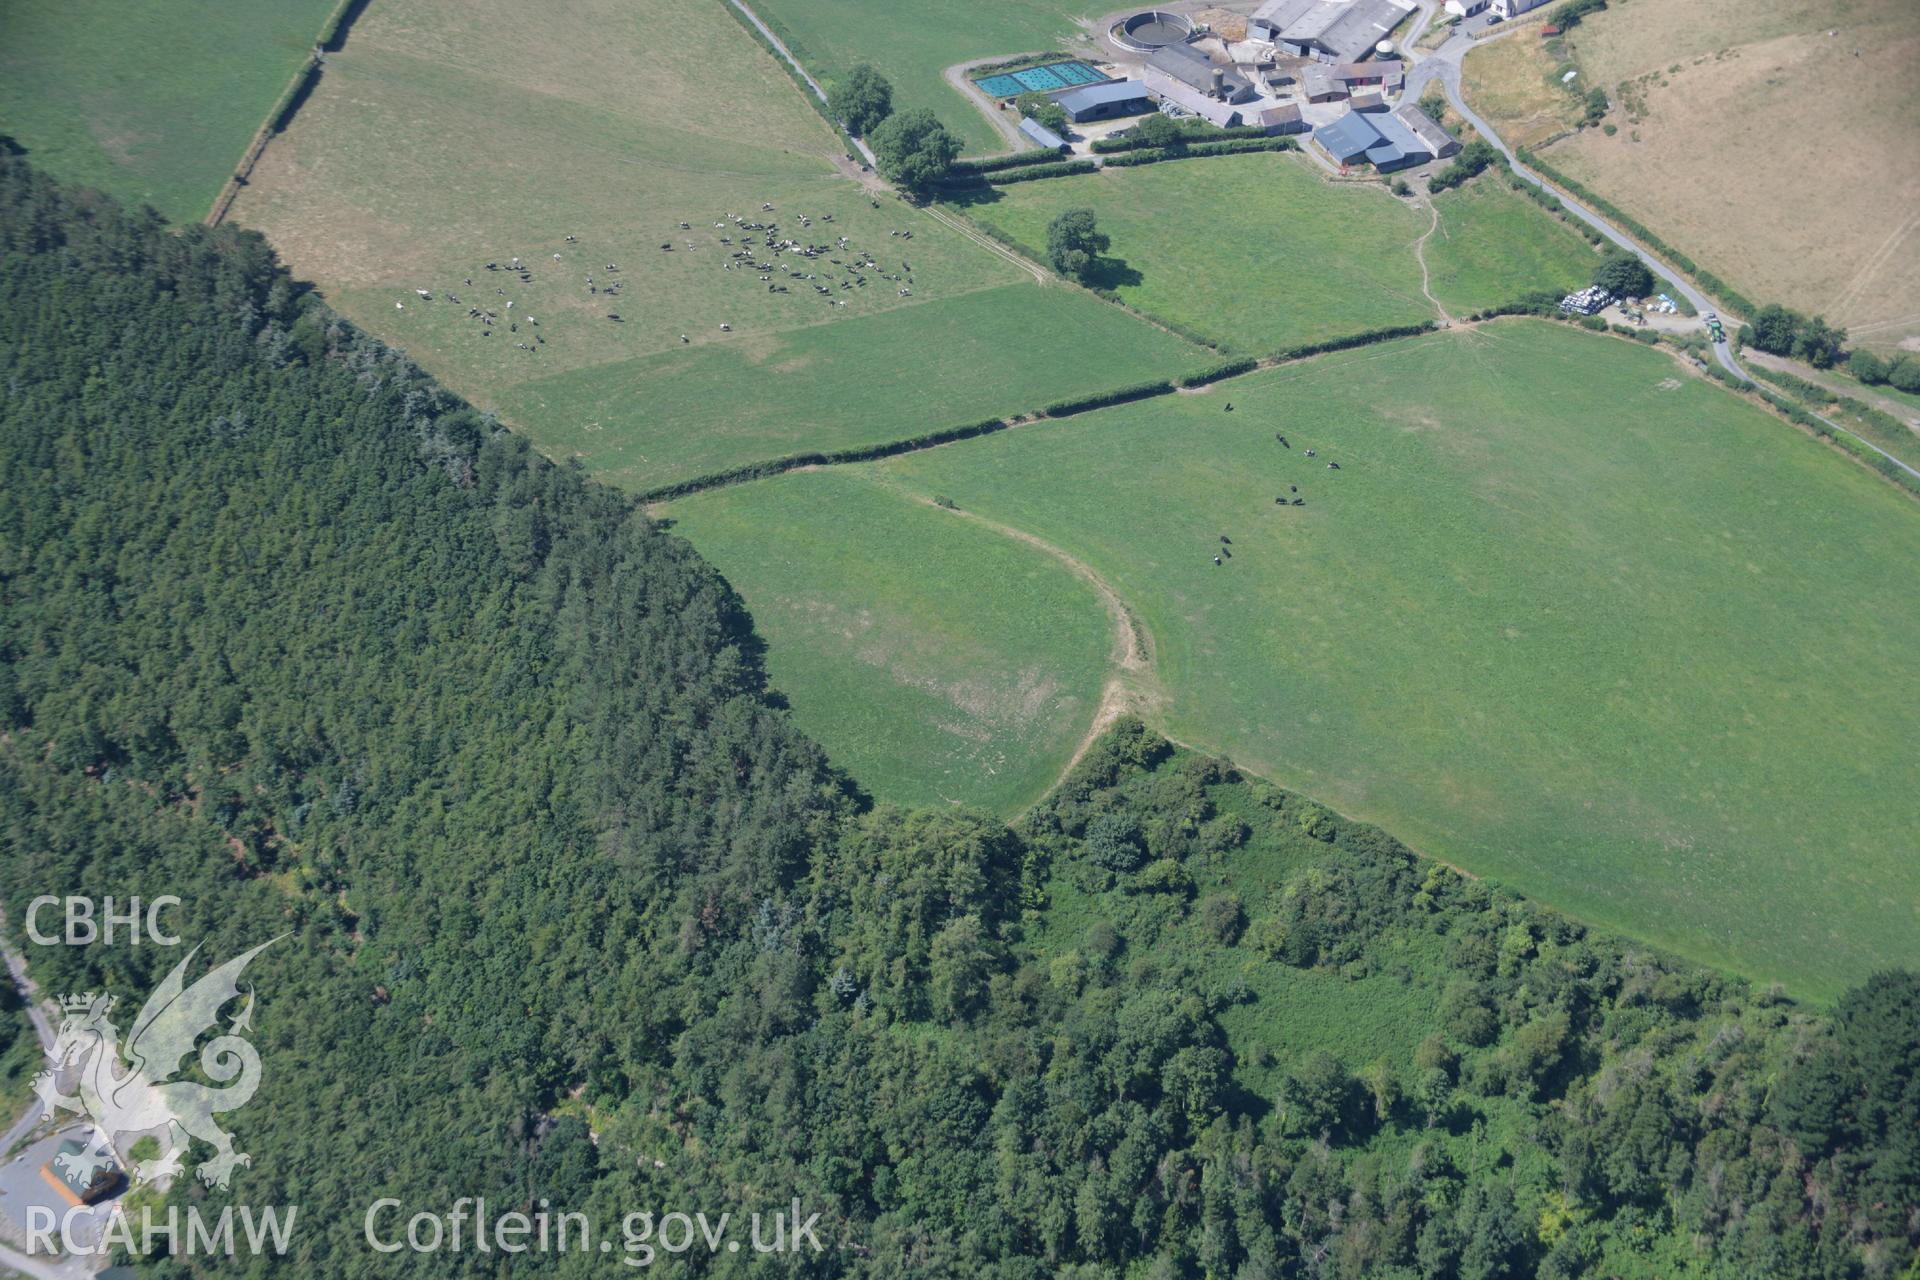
x=1443 y=64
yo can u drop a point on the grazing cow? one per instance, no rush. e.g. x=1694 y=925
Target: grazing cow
x=1217 y=560
x=1229 y=406
x=1282 y=439
x=1333 y=466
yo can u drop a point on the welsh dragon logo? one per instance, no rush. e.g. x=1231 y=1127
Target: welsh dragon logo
x=129 y=1090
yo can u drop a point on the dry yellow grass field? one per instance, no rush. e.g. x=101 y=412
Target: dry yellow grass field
x=1773 y=141
x=1510 y=82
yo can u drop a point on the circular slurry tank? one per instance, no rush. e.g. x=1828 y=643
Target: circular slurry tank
x=1152 y=29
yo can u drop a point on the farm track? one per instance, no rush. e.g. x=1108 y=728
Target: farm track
x=1039 y=274
x=945 y=219
x=786 y=55
x=956 y=75
x=1132 y=686
x=1444 y=65
x=1866 y=395
x=1420 y=256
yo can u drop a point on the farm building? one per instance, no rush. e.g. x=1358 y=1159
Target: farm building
x=1329 y=30
x=1466 y=8
x=1382 y=140
x=1193 y=68
x=1192 y=101
x=1041 y=136
x=1318 y=86
x=1273 y=17
x=1437 y=140
x=1369 y=102
x=1514 y=8
x=1106 y=101
x=1284 y=118
x=1385 y=76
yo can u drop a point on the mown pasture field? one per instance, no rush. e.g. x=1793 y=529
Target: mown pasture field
x=888 y=376
x=1254 y=252
x=972 y=685
x=446 y=136
x=1260 y=252
x=1565 y=616
x=913 y=48
x=1494 y=245
x=154 y=103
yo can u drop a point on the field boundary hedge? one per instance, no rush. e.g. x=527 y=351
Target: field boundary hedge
x=792 y=72
x=1059 y=409
x=836 y=457
x=1200 y=151
x=1730 y=298
x=332 y=37
x=1189 y=132
x=992 y=164
x=1035 y=172
x=1031 y=166
x=1815 y=395
x=1104 y=399
x=1020 y=63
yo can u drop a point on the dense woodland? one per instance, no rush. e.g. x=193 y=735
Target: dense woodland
x=574 y=912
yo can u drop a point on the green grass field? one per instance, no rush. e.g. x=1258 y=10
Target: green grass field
x=1255 y=252
x=1493 y=245
x=1260 y=253
x=154 y=103
x=1566 y=616
x=446 y=136
x=973 y=685
x=657 y=419
x=912 y=49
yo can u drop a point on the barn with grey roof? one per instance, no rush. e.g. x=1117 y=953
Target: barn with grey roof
x=1106 y=101
x=1380 y=139
x=1041 y=136
x=1193 y=68
x=1329 y=30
